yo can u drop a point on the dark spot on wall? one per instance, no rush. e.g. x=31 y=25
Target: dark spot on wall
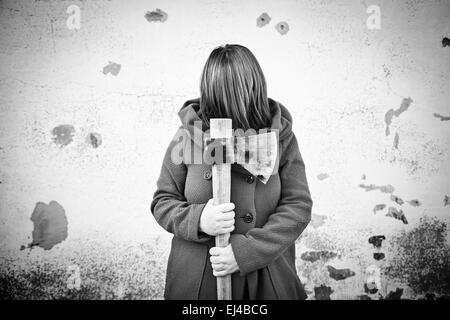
x=313 y=256
x=386 y=189
x=156 y=16
x=317 y=220
x=94 y=139
x=397 y=214
x=376 y=241
x=395 y=295
x=446 y=200
x=282 y=27
x=421 y=257
x=50 y=225
x=323 y=292
x=406 y=102
x=378 y=256
x=387 y=71
x=388 y=120
x=443 y=118
x=364 y=297
x=445 y=42
x=396 y=140
x=370 y=288
x=340 y=274
x=363 y=177
x=112 y=67
x=63 y=134
x=414 y=203
x=397 y=200
x=378 y=207
x=322 y=176
x=262 y=20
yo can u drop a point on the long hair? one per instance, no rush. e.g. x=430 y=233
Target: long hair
x=233 y=86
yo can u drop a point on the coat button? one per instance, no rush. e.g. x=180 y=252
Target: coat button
x=248 y=217
x=207 y=175
x=250 y=179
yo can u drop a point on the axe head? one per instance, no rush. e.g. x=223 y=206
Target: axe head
x=258 y=153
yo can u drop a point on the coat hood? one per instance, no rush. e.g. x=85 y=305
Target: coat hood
x=281 y=118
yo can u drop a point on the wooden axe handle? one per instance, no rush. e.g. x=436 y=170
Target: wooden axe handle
x=221 y=183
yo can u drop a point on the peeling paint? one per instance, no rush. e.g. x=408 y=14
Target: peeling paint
x=94 y=139
x=443 y=118
x=323 y=292
x=397 y=200
x=396 y=140
x=445 y=42
x=340 y=274
x=421 y=257
x=282 y=27
x=322 y=176
x=378 y=255
x=63 y=134
x=415 y=203
x=263 y=20
x=317 y=220
x=397 y=214
x=156 y=16
x=385 y=189
x=112 y=67
x=378 y=207
x=376 y=241
x=388 y=120
x=104 y=268
x=406 y=102
x=313 y=256
x=50 y=225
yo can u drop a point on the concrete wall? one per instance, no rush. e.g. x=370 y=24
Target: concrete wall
x=86 y=114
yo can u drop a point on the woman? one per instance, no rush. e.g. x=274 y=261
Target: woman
x=264 y=219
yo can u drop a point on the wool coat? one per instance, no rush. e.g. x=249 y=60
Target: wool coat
x=268 y=217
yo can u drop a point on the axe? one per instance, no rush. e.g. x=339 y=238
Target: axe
x=258 y=154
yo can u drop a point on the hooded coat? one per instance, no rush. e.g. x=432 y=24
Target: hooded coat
x=268 y=217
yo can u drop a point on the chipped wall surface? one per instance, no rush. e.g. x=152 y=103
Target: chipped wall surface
x=88 y=106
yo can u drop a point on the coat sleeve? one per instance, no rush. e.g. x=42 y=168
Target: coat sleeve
x=170 y=207
x=260 y=246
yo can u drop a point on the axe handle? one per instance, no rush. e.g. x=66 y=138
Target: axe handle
x=221 y=183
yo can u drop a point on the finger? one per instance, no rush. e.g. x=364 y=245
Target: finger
x=227 y=224
x=214 y=251
x=227 y=230
x=218 y=266
x=221 y=273
x=216 y=259
x=225 y=207
x=224 y=216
